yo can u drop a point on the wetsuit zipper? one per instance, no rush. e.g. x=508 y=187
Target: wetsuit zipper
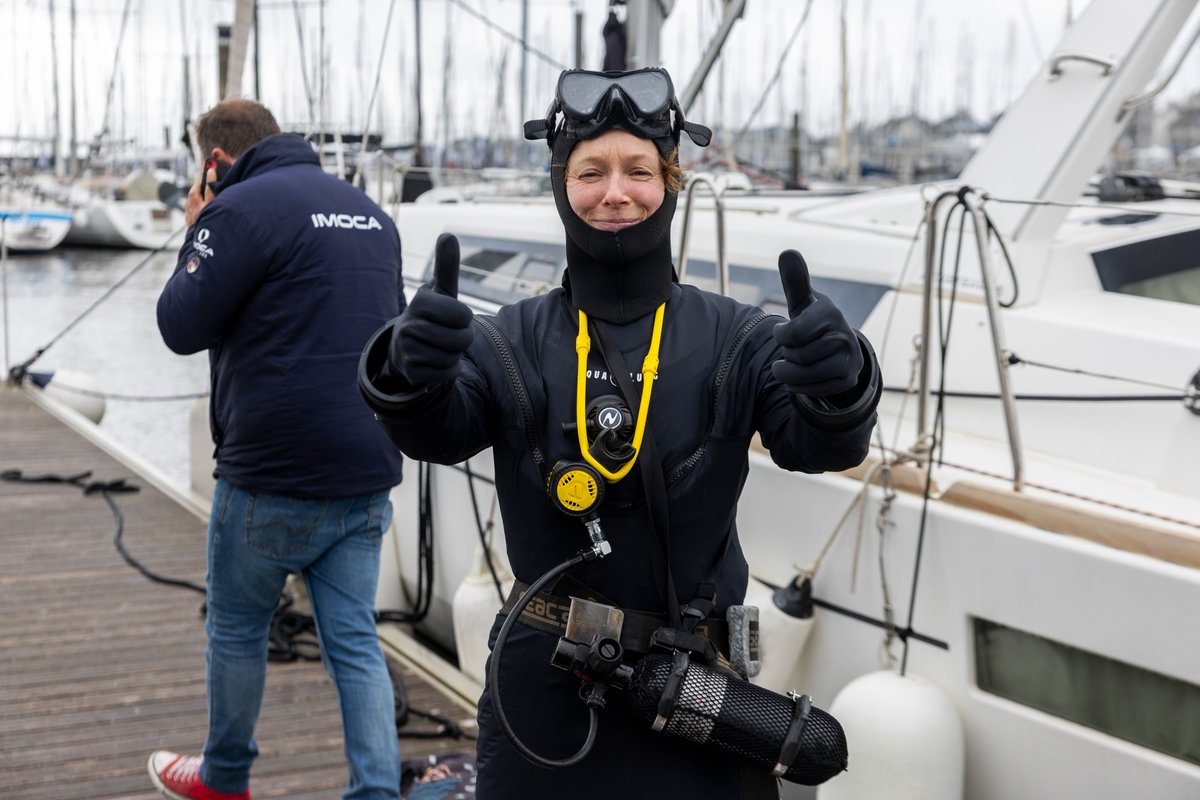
x=509 y=364
x=734 y=348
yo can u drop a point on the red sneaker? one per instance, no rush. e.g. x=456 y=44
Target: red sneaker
x=178 y=777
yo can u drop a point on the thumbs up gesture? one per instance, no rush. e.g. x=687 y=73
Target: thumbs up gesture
x=435 y=329
x=821 y=353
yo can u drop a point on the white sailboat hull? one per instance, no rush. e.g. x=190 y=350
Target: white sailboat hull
x=33 y=230
x=136 y=224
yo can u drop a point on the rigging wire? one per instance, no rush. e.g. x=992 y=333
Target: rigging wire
x=512 y=37
x=17 y=373
x=312 y=119
x=387 y=29
x=112 y=82
x=1093 y=206
x=937 y=445
x=483 y=538
x=778 y=70
x=1056 y=398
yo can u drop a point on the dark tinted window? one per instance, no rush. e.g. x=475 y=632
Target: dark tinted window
x=504 y=271
x=1165 y=268
x=1114 y=697
x=761 y=287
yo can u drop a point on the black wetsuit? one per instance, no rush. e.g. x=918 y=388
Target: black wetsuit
x=702 y=431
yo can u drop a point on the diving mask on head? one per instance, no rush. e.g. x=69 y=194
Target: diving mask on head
x=615 y=276
x=641 y=101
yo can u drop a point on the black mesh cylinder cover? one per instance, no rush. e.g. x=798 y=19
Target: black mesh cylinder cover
x=726 y=713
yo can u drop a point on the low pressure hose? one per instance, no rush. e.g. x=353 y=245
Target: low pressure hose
x=494 y=671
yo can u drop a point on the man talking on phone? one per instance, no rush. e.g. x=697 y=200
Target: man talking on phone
x=285 y=273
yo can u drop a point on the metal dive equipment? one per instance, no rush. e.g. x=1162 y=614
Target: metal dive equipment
x=577 y=490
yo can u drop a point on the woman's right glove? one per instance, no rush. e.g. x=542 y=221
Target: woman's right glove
x=435 y=329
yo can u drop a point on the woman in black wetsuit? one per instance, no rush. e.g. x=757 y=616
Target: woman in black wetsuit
x=687 y=377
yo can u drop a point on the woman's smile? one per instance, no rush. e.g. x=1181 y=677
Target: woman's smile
x=615 y=180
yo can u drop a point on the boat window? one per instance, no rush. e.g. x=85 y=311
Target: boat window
x=505 y=271
x=761 y=287
x=1164 y=268
x=1120 y=699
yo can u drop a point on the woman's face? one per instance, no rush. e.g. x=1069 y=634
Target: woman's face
x=615 y=180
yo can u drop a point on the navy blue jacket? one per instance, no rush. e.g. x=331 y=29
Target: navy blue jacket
x=283 y=278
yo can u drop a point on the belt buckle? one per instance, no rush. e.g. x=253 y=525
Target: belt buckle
x=588 y=619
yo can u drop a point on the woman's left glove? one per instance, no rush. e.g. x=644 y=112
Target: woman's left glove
x=821 y=353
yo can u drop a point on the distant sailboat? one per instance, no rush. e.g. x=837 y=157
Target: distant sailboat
x=29 y=224
x=128 y=213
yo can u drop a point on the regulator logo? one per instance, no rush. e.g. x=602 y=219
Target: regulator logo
x=609 y=418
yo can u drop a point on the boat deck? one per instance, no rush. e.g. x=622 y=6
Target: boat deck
x=99 y=665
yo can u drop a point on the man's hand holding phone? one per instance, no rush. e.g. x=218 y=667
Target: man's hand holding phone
x=203 y=192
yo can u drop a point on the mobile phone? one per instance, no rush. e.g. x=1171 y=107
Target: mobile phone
x=222 y=170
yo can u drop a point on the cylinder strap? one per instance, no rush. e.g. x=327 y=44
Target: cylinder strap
x=791 y=742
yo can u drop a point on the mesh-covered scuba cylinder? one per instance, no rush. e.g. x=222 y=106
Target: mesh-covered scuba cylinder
x=733 y=716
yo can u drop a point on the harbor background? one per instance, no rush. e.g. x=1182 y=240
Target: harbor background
x=117 y=344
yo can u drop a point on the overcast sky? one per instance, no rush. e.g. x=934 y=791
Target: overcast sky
x=932 y=56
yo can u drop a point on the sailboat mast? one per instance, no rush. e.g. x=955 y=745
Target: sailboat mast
x=74 y=143
x=257 y=84
x=187 y=68
x=419 y=151
x=58 y=169
x=321 y=67
x=521 y=113
x=843 y=99
x=243 y=18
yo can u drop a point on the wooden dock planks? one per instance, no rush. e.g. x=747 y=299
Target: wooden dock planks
x=99 y=666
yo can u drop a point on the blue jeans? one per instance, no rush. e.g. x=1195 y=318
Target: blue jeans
x=254 y=542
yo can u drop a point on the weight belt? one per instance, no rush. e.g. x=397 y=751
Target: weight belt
x=548 y=613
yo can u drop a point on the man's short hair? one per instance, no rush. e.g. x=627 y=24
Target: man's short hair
x=234 y=126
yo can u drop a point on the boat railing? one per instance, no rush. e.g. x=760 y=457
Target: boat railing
x=925 y=436
x=719 y=208
x=1147 y=96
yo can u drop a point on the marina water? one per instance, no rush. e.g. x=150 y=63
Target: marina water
x=117 y=344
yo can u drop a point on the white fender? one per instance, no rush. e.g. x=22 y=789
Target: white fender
x=200 y=449
x=474 y=610
x=781 y=637
x=78 y=391
x=905 y=740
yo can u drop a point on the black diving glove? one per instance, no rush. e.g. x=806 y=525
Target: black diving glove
x=435 y=329
x=821 y=352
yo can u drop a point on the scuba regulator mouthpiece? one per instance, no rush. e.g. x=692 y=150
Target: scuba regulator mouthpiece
x=609 y=428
